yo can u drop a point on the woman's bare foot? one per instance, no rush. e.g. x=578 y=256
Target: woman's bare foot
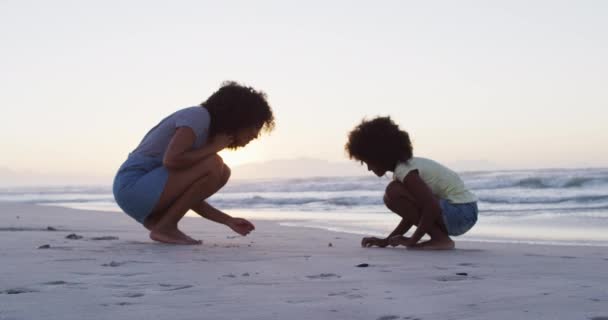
x=172 y=236
x=434 y=244
x=190 y=238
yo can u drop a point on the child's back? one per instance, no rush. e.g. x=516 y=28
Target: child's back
x=443 y=182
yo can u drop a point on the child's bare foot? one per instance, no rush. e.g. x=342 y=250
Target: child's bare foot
x=434 y=244
x=172 y=236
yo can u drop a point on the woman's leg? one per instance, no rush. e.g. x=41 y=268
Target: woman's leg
x=199 y=206
x=401 y=201
x=183 y=190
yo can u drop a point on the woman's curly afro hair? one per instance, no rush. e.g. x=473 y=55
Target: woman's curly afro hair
x=234 y=106
x=379 y=142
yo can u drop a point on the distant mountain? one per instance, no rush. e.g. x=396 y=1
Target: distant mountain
x=473 y=165
x=297 y=168
x=12 y=178
x=284 y=168
x=308 y=167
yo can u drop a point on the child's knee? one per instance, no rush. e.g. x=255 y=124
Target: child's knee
x=393 y=191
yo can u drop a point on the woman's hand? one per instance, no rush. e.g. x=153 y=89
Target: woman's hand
x=373 y=241
x=221 y=141
x=240 y=226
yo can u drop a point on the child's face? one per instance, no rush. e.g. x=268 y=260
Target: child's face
x=376 y=169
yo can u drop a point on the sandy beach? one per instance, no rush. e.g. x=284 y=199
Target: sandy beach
x=109 y=269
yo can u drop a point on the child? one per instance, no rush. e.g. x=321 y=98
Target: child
x=424 y=193
x=176 y=165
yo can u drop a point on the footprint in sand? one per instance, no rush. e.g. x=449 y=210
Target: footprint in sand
x=305 y=301
x=324 y=276
x=456 y=277
x=13 y=229
x=131 y=295
x=59 y=283
x=568 y=257
x=598 y=318
x=468 y=264
x=389 y=317
x=341 y=293
x=113 y=264
x=118 y=264
x=104 y=238
x=346 y=294
x=534 y=255
x=18 y=291
x=132 y=274
x=75 y=259
x=64 y=248
x=117 y=304
x=173 y=287
x=55 y=283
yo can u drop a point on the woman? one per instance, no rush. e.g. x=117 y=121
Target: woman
x=176 y=166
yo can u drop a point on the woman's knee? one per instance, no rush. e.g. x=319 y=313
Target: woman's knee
x=210 y=168
x=226 y=172
x=213 y=162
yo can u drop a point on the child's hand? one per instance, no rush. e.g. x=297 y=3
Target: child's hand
x=221 y=141
x=241 y=226
x=373 y=241
x=400 y=241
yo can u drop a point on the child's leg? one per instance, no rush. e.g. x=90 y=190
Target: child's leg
x=183 y=190
x=400 y=201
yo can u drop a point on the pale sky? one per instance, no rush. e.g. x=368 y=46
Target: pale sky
x=522 y=84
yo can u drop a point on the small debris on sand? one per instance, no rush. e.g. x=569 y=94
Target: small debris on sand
x=73 y=236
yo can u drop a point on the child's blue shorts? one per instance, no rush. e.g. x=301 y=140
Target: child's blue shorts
x=458 y=217
x=138 y=185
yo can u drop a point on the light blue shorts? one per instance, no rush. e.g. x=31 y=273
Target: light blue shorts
x=458 y=217
x=138 y=185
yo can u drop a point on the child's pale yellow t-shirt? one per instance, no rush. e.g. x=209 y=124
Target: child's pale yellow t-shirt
x=443 y=182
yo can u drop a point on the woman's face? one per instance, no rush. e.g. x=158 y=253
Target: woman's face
x=244 y=136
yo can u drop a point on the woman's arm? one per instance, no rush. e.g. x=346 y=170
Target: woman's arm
x=238 y=225
x=180 y=155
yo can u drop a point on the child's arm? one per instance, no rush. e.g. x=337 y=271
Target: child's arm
x=430 y=210
x=403 y=227
x=400 y=230
x=179 y=154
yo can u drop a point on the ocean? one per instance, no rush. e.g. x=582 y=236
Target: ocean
x=556 y=206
